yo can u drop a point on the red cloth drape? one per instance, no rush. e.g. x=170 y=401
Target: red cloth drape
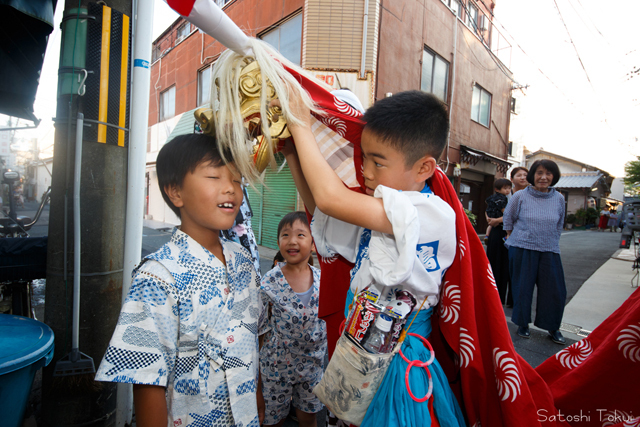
x=598 y=377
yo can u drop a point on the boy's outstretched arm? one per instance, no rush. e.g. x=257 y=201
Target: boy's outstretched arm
x=328 y=191
x=150 y=404
x=293 y=161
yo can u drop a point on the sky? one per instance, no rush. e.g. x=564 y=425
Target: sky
x=575 y=57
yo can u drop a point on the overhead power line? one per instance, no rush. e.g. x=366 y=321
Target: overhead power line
x=580 y=60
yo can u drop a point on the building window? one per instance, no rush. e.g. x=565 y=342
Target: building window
x=472 y=17
x=287 y=38
x=222 y=2
x=168 y=103
x=454 y=5
x=480 y=106
x=435 y=74
x=183 y=31
x=513 y=105
x=204 y=86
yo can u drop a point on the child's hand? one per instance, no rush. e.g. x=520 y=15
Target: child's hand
x=301 y=119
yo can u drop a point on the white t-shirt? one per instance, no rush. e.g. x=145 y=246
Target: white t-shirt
x=413 y=258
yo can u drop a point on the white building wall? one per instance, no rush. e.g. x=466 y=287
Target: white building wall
x=157 y=208
x=43 y=178
x=617 y=189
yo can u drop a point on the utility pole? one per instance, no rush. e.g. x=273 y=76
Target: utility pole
x=75 y=400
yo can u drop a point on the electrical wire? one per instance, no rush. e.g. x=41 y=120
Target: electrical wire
x=537 y=66
x=581 y=63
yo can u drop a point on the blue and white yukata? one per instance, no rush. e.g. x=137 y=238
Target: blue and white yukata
x=414 y=258
x=190 y=323
x=292 y=356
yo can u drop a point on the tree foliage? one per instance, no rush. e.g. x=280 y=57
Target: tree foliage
x=632 y=178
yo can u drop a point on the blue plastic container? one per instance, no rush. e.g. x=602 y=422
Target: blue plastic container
x=26 y=345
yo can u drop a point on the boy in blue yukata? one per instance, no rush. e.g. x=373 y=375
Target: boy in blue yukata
x=187 y=333
x=292 y=356
x=399 y=234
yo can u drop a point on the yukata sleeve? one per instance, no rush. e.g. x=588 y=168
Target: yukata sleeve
x=265 y=312
x=334 y=237
x=144 y=346
x=392 y=256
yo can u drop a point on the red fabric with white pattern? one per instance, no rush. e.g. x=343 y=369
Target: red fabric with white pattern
x=599 y=376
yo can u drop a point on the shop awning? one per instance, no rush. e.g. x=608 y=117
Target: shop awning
x=473 y=156
x=24 y=29
x=185 y=125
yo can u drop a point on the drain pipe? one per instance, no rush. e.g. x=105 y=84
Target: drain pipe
x=453 y=82
x=365 y=24
x=75 y=326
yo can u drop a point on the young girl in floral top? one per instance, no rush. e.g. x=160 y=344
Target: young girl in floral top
x=291 y=359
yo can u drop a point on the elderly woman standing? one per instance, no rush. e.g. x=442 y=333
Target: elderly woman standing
x=533 y=221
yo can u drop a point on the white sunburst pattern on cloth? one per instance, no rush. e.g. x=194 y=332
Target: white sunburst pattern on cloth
x=466 y=348
x=328 y=260
x=334 y=122
x=629 y=342
x=615 y=417
x=633 y=422
x=477 y=424
x=575 y=354
x=492 y=279
x=450 y=303
x=507 y=376
x=462 y=247
x=345 y=108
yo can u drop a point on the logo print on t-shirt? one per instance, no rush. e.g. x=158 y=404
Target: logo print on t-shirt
x=428 y=255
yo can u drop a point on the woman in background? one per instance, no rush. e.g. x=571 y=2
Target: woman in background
x=533 y=221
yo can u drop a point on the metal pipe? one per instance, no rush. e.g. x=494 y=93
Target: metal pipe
x=365 y=24
x=75 y=331
x=141 y=81
x=140 y=84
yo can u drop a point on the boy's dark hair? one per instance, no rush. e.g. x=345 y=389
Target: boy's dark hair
x=549 y=165
x=277 y=258
x=182 y=155
x=501 y=183
x=518 y=169
x=413 y=122
x=292 y=217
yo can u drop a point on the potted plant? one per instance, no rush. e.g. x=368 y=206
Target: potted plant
x=592 y=217
x=571 y=219
x=581 y=217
